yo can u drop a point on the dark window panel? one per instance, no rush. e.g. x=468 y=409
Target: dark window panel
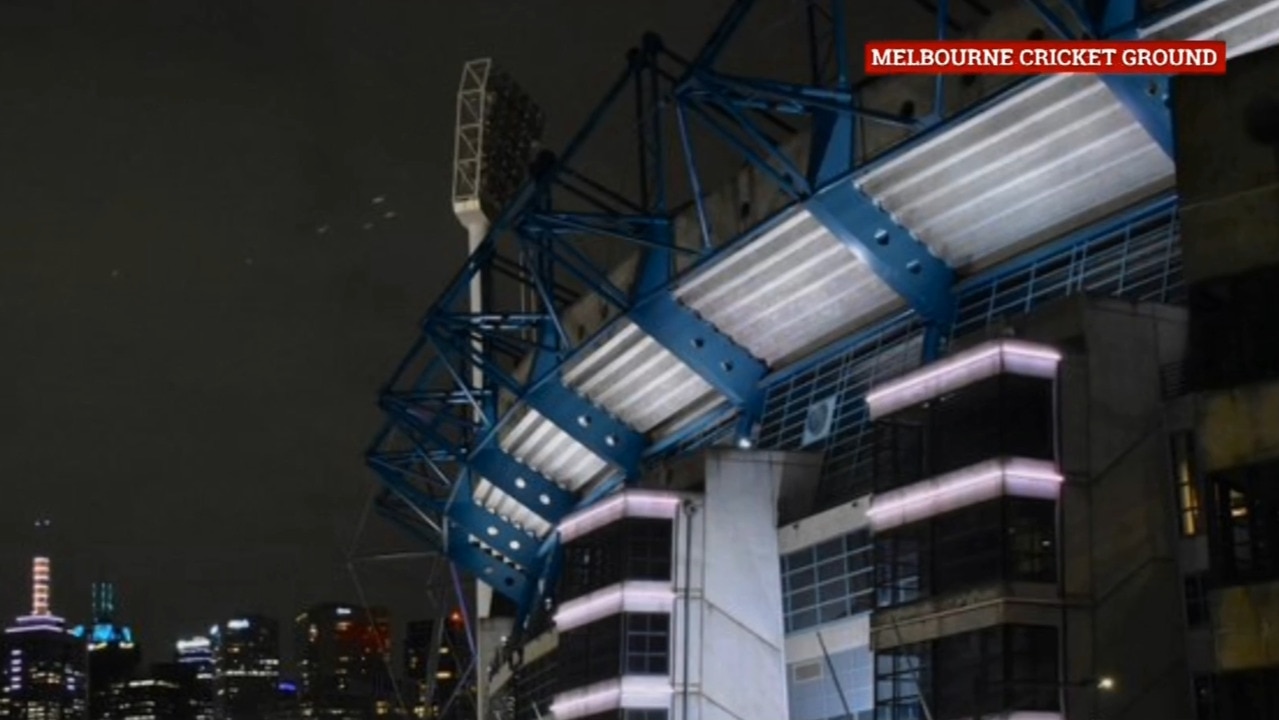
x=1003 y=416
x=632 y=549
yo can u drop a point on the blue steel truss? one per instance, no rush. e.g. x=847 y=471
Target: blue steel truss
x=471 y=374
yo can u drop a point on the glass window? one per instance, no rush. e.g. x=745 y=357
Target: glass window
x=968 y=547
x=828 y=581
x=1246 y=535
x=631 y=643
x=535 y=685
x=1187 y=486
x=1006 y=539
x=1032 y=540
x=989 y=672
x=632 y=549
x=901 y=677
x=647 y=644
x=901 y=569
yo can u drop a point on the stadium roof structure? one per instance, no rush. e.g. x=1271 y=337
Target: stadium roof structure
x=502 y=422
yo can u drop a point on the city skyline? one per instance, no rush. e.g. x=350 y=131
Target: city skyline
x=43 y=601
x=237 y=318
x=348 y=666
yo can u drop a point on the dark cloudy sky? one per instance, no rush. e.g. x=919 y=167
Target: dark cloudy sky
x=188 y=368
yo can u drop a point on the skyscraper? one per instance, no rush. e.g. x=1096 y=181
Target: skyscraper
x=344 y=662
x=113 y=655
x=44 y=675
x=195 y=655
x=437 y=657
x=246 y=657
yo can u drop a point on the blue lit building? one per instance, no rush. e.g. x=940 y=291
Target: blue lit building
x=113 y=656
x=44 y=670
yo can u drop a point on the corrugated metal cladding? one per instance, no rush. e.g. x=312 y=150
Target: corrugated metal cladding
x=1140 y=263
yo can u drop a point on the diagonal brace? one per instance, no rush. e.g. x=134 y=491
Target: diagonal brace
x=533 y=490
x=900 y=260
x=722 y=363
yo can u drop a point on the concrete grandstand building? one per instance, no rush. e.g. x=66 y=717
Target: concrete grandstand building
x=949 y=404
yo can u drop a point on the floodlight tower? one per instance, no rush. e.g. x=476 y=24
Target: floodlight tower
x=499 y=128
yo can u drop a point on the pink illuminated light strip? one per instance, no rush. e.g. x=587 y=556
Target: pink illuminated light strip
x=637 y=596
x=628 y=504
x=1015 y=477
x=1015 y=357
x=631 y=692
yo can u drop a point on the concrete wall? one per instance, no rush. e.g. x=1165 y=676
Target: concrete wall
x=732 y=665
x=1123 y=583
x=1228 y=168
x=1243 y=618
x=1239 y=427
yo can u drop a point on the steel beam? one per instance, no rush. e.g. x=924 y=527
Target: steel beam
x=1144 y=96
x=591 y=426
x=722 y=363
x=901 y=261
x=533 y=490
x=503 y=578
x=487 y=527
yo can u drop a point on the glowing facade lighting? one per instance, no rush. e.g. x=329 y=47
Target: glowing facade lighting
x=1012 y=357
x=634 y=596
x=237 y=624
x=1014 y=477
x=629 y=692
x=41 y=577
x=628 y=504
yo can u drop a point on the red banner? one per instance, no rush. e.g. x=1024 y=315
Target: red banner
x=996 y=57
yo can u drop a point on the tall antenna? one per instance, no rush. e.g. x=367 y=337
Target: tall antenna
x=41 y=576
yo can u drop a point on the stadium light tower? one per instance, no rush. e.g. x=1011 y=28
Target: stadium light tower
x=499 y=129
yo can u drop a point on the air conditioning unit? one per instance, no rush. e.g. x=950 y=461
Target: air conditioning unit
x=807 y=671
x=818 y=422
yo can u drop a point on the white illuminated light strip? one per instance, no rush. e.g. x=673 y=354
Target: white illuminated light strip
x=634 y=596
x=628 y=504
x=40 y=580
x=1034 y=715
x=1014 y=477
x=629 y=692
x=1015 y=357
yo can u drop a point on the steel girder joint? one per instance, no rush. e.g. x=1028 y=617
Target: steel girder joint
x=899 y=259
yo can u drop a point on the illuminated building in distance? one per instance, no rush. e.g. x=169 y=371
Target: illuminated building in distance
x=151 y=699
x=44 y=674
x=343 y=654
x=246 y=661
x=437 y=657
x=113 y=654
x=195 y=656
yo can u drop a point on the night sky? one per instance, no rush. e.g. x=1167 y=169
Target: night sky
x=200 y=292
x=190 y=365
